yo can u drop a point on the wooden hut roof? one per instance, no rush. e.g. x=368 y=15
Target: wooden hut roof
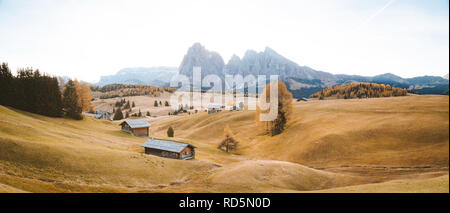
x=139 y=123
x=166 y=145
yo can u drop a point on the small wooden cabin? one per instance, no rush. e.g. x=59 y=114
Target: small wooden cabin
x=137 y=127
x=103 y=115
x=169 y=149
x=235 y=108
x=214 y=108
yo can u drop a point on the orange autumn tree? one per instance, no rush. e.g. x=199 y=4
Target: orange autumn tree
x=85 y=98
x=229 y=143
x=284 y=114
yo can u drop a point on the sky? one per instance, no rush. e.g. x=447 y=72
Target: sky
x=88 y=39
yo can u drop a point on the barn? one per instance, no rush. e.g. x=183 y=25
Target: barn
x=169 y=149
x=137 y=127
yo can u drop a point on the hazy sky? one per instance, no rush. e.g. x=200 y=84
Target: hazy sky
x=87 y=39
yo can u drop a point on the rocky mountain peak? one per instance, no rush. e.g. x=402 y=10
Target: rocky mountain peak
x=250 y=54
x=211 y=62
x=269 y=50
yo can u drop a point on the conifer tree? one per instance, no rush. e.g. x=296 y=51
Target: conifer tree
x=30 y=91
x=170 y=132
x=6 y=85
x=71 y=101
x=118 y=115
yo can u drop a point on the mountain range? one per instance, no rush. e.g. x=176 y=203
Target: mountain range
x=302 y=81
x=156 y=76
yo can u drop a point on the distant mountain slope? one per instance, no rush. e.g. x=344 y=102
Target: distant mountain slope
x=155 y=76
x=420 y=85
x=359 y=90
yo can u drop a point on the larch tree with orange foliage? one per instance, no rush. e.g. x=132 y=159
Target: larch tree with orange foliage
x=87 y=97
x=84 y=96
x=229 y=143
x=284 y=114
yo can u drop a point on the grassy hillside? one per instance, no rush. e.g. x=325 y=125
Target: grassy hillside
x=277 y=176
x=368 y=145
x=381 y=139
x=401 y=131
x=433 y=185
x=42 y=154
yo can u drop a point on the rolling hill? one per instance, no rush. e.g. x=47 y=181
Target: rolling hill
x=41 y=154
x=375 y=145
x=360 y=135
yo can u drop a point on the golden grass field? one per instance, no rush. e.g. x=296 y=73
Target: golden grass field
x=398 y=144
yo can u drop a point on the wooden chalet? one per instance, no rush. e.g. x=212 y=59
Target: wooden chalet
x=169 y=149
x=136 y=127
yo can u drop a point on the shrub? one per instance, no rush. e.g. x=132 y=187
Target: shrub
x=170 y=132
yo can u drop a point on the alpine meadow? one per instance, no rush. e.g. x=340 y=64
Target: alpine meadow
x=187 y=97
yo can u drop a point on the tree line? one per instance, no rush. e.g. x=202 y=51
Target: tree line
x=32 y=91
x=124 y=90
x=128 y=106
x=360 y=90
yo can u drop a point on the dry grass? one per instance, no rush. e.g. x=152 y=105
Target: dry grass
x=432 y=185
x=383 y=145
x=143 y=103
x=65 y=155
x=402 y=131
x=276 y=176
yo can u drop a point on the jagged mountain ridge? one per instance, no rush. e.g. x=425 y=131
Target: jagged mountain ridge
x=302 y=81
x=270 y=62
x=198 y=56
